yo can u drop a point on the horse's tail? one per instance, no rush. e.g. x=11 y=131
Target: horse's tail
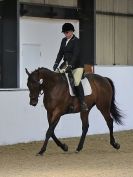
x=114 y=110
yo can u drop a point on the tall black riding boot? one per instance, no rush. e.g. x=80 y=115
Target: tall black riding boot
x=80 y=95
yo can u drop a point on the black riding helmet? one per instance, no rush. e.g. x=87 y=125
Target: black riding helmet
x=67 y=27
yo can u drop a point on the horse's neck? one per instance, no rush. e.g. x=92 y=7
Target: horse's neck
x=49 y=77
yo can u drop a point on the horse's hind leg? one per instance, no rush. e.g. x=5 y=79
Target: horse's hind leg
x=85 y=126
x=109 y=121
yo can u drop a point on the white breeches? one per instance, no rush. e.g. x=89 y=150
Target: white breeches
x=77 y=74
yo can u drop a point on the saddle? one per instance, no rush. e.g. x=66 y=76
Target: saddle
x=84 y=81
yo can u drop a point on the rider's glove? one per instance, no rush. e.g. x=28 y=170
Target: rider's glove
x=55 y=66
x=68 y=68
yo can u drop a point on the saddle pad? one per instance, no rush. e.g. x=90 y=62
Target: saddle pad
x=85 y=84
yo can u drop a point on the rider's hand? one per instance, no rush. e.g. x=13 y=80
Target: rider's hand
x=55 y=66
x=68 y=69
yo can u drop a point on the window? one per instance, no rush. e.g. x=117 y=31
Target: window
x=70 y=3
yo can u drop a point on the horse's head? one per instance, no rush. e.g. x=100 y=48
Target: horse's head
x=34 y=84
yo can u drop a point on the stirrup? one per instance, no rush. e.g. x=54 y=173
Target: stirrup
x=84 y=107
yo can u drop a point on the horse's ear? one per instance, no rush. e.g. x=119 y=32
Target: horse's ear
x=27 y=72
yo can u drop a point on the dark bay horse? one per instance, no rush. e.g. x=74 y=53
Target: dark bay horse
x=58 y=102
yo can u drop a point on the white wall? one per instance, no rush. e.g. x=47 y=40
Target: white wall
x=20 y=122
x=40 y=38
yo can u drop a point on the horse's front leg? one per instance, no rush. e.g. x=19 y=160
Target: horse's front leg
x=48 y=135
x=63 y=146
x=85 y=126
x=53 y=119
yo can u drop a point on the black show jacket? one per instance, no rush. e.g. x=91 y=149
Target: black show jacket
x=70 y=52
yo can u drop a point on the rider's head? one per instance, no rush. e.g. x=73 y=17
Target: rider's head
x=68 y=29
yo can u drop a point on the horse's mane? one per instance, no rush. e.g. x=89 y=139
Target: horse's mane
x=41 y=69
x=48 y=72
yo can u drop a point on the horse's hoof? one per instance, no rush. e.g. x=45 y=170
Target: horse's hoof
x=65 y=147
x=116 y=145
x=79 y=149
x=39 y=154
x=76 y=151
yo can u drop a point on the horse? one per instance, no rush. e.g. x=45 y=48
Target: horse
x=58 y=102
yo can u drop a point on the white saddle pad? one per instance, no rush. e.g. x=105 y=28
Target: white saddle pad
x=85 y=84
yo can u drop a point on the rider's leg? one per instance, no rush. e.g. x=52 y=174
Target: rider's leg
x=77 y=74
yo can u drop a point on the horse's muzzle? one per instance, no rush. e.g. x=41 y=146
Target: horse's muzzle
x=33 y=102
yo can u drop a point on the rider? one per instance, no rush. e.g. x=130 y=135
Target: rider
x=69 y=51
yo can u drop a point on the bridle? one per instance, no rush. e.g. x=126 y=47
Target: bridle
x=41 y=92
x=40 y=85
